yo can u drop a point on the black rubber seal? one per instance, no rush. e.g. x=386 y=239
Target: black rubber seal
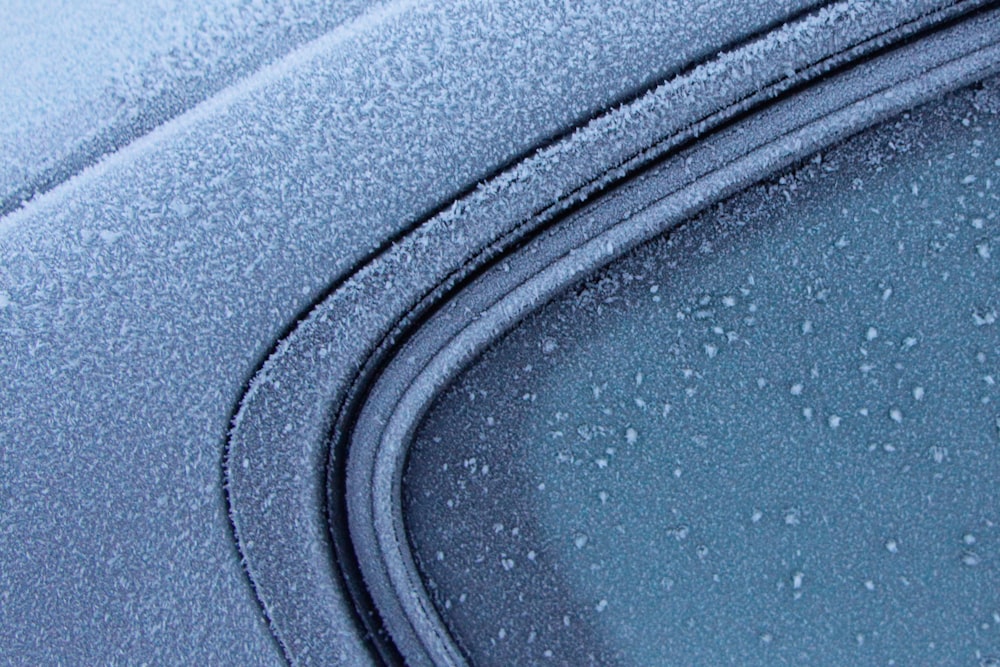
x=354 y=375
x=504 y=293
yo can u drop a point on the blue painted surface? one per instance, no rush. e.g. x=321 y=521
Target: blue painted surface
x=137 y=298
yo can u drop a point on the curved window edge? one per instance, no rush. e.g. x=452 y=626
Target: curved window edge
x=489 y=307
x=323 y=584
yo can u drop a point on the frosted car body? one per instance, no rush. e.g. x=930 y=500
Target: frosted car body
x=142 y=300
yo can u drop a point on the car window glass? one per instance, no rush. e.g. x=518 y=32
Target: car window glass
x=771 y=436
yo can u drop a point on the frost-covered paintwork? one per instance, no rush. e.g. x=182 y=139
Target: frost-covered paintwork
x=137 y=297
x=81 y=79
x=276 y=462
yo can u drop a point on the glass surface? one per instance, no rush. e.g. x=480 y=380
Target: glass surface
x=770 y=437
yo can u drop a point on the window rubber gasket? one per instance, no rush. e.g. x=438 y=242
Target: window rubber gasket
x=315 y=456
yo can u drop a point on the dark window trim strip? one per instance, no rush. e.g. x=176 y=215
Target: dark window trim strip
x=492 y=305
x=334 y=369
